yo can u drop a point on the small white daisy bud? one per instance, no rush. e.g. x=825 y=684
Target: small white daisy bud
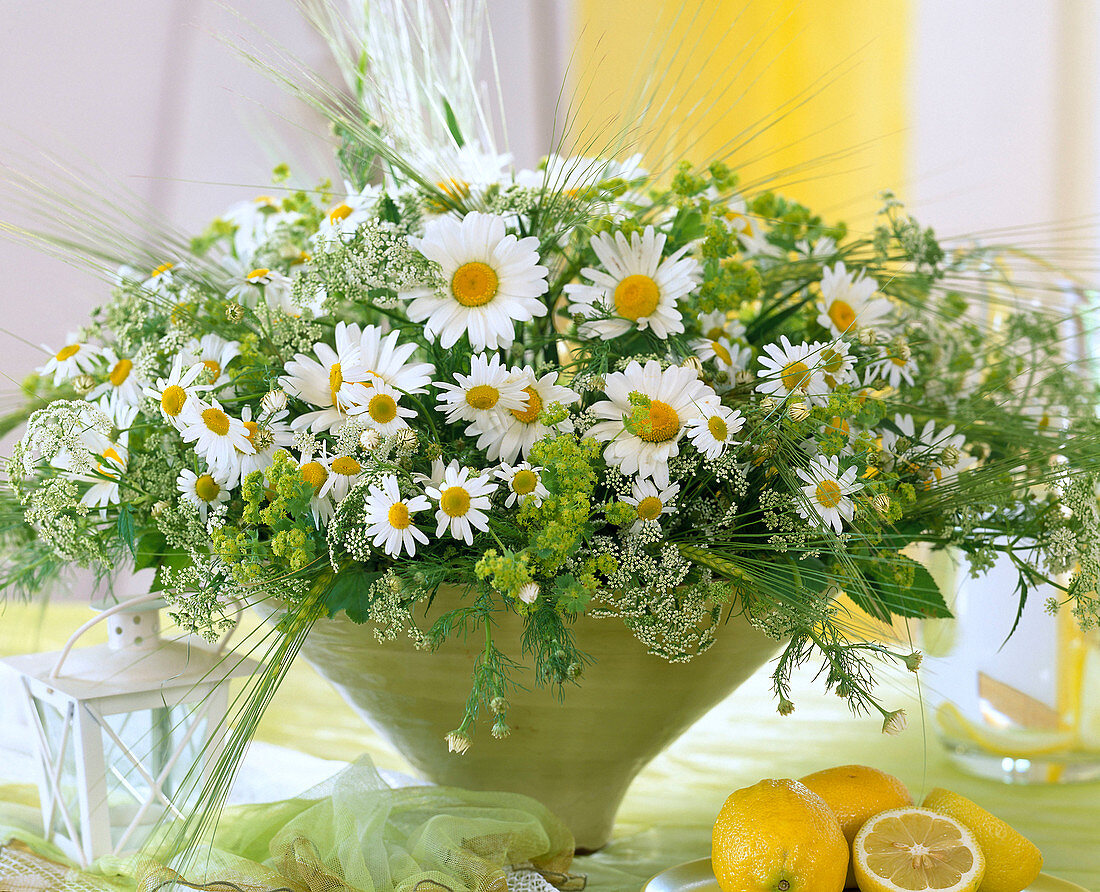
x=273 y=401
x=370 y=440
x=500 y=729
x=881 y=503
x=234 y=313
x=159 y=508
x=457 y=742
x=912 y=661
x=692 y=362
x=744 y=376
x=498 y=705
x=868 y=337
x=900 y=348
x=950 y=456
x=767 y=404
x=83 y=383
x=407 y=438
x=798 y=411
x=529 y=593
x=786 y=707
x=895 y=722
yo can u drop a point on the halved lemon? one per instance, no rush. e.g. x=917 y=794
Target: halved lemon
x=916 y=849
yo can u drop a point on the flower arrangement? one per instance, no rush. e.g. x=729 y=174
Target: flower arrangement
x=579 y=390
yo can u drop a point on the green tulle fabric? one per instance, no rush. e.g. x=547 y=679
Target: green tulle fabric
x=352 y=833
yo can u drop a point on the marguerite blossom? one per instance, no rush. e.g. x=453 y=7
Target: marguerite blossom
x=249 y=286
x=490 y=281
x=650 y=502
x=381 y=356
x=792 y=369
x=895 y=367
x=174 y=393
x=463 y=501
x=828 y=491
x=637 y=289
x=377 y=405
x=389 y=517
x=836 y=363
x=71 y=360
x=202 y=490
x=314 y=470
x=490 y=390
x=714 y=432
x=847 y=301
x=318 y=381
x=524 y=482
x=344 y=217
x=344 y=471
x=268 y=434
x=643 y=434
x=572 y=175
x=506 y=435
x=218 y=437
x=123 y=385
x=214 y=353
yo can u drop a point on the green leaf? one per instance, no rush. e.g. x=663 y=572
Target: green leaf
x=452 y=124
x=350 y=592
x=125 y=527
x=570 y=594
x=888 y=595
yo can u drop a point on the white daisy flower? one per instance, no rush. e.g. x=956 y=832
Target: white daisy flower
x=735 y=214
x=256 y=221
x=215 y=353
x=490 y=281
x=893 y=368
x=824 y=247
x=202 y=490
x=827 y=491
x=462 y=501
x=729 y=357
x=267 y=435
x=490 y=390
x=507 y=435
x=641 y=438
x=377 y=405
x=714 y=432
x=71 y=360
x=463 y=172
x=650 y=502
x=177 y=391
x=111 y=464
x=123 y=385
x=318 y=381
x=524 y=481
x=788 y=368
x=344 y=471
x=638 y=291
x=836 y=363
x=717 y=325
x=160 y=278
x=343 y=218
x=943 y=453
x=218 y=437
x=529 y=593
x=249 y=286
x=389 y=517
x=382 y=357
x=572 y=175
x=847 y=301
x=314 y=470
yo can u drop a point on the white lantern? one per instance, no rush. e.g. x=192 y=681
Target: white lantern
x=125 y=731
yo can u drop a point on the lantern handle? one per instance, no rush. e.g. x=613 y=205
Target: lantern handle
x=102 y=615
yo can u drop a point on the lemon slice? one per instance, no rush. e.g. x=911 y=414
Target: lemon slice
x=916 y=849
x=1017 y=742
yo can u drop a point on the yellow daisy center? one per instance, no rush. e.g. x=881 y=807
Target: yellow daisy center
x=173 y=400
x=795 y=374
x=656 y=423
x=828 y=493
x=214 y=367
x=120 y=372
x=161 y=270
x=454 y=501
x=530 y=414
x=66 y=352
x=457 y=189
x=182 y=311
x=482 y=396
x=207 y=488
x=898 y=361
x=718 y=428
x=338 y=213
x=253 y=429
x=335 y=381
x=838 y=425
x=842 y=314
x=525 y=482
x=382 y=408
x=650 y=508
x=346 y=466
x=831 y=360
x=715 y=333
x=314 y=474
x=111 y=455
x=257 y=274
x=398 y=516
x=636 y=297
x=474 y=284
x=721 y=352
x=216 y=421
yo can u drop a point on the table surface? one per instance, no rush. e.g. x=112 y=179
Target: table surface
x=668 y=812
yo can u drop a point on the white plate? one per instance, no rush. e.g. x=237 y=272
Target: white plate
x=696 y=876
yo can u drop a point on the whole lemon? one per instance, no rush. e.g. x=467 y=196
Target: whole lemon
x=1012 y=861
x=856 y=793
x=778 y=836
